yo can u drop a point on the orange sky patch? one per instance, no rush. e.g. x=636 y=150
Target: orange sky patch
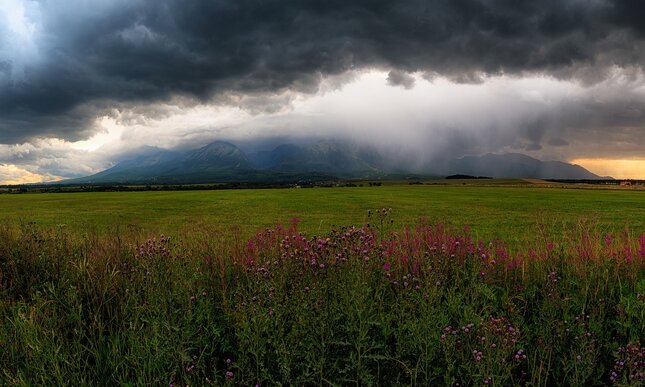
x=12 y=174
x=616 y=168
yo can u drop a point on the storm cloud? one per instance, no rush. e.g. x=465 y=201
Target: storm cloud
x=78 y=57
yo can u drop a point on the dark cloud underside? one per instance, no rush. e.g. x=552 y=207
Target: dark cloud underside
x=140 y=51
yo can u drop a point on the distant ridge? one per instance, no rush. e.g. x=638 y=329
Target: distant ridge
x=459 y=176
x=224 y=162
x=518 y=165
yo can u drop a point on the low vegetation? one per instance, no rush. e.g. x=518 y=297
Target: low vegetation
x=425 y=304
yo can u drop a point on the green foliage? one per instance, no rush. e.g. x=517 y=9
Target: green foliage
x=423 y=305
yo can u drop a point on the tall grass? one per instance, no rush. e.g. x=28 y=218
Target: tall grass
x=421 y=305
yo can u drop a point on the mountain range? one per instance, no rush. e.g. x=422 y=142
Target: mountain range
x=224 y=162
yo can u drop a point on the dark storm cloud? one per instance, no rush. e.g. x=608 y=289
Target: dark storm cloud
x=557 y=141
x=142 y=51
x=400 y=78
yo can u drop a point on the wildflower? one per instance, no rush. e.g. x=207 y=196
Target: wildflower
x=229 y=374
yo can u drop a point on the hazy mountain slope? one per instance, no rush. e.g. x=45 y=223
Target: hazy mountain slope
x=224 y=162
x=216 y=161
x=147 y=166
x=285 y=157
x=339 y=158
x=218 y=154
x=517 y=165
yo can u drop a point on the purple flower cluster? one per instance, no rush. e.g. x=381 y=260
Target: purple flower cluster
x=619 y=247
x=489 y=348
x=406 y=282
x=503 y=331
x=316 y=253
x=229 y=365
x=426 y=248
x=495 y=336
x=520 y=356
x=630 y=365
x=153 y=248
x=552 y=280
x=427 y=253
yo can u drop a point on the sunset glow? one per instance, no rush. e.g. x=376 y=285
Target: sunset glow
x=11 y=174
x=618 y=169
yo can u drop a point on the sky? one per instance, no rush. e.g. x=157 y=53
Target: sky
x=85 y=83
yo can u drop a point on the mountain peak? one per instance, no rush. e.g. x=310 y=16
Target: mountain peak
x=220 y=154
x=221 y=146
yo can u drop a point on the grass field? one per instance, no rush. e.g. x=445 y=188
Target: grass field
x=510 y=213
x=218 y=299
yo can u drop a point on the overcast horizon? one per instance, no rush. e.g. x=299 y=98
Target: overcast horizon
x=84 y=83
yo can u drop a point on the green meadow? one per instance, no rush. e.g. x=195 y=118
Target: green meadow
x=546 y=287
x=504 y=212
